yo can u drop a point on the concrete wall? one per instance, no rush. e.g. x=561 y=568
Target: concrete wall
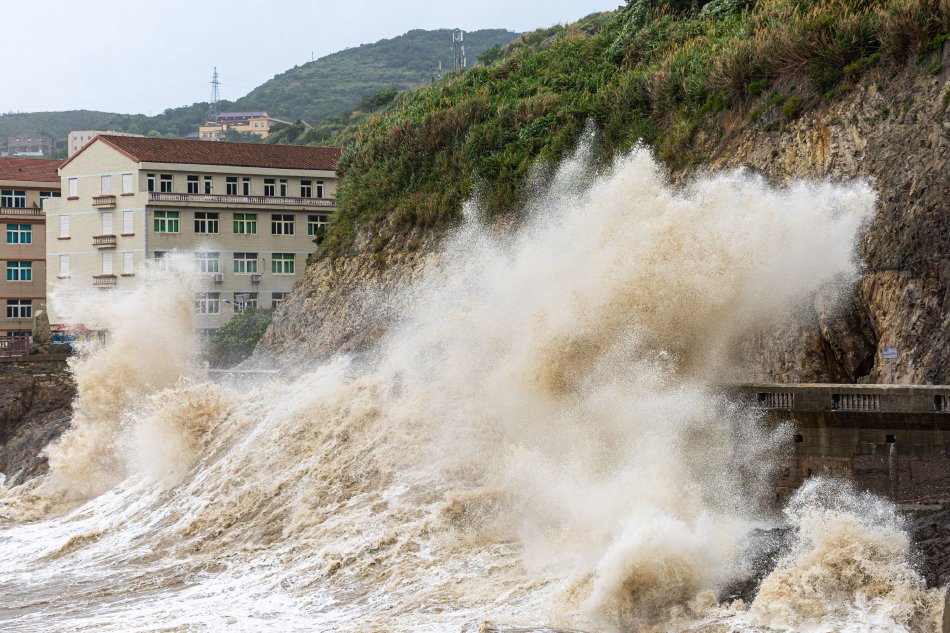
x=898 y=446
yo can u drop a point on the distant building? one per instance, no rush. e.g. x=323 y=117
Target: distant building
x=26 y=185
x=30 y=145
x=248 y=212
x=256 y=123
x=75 y=140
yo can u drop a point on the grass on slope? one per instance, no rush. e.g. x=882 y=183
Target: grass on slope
x=655 y=70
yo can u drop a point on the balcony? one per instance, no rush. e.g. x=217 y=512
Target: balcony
x=20 y=211
x=105 y=201
x=103 y=280
x=213 y=198
x=14 y=345
x=103 y=241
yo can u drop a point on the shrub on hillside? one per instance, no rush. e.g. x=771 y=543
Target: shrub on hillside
x=237 y=339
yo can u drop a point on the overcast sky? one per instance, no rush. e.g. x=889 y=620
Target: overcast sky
x=142 y=57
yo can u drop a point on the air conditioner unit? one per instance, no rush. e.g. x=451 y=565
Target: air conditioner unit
x=218 y=278
x=256 y=279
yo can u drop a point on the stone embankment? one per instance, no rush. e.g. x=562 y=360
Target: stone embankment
x=36 y=394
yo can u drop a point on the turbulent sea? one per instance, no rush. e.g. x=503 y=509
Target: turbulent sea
x=539 y=441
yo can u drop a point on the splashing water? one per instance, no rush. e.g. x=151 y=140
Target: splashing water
x=540 y=438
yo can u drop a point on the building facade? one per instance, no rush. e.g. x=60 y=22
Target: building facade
x=77 y=138
x=246 y=213
x=26 y=187
x=256 y=123
x=30 y=145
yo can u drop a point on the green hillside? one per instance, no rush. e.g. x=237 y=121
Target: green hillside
x=654 y=70
x=53 y=124
x=336 y=83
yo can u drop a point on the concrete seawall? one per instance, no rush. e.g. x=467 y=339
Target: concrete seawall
x=892 y=440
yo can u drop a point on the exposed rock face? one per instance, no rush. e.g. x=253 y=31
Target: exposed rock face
x=894 y=131
x=36 y=395
x=890 y=129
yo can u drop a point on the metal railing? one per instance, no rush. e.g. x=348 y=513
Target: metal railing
x=214 y=198
x=14 y=345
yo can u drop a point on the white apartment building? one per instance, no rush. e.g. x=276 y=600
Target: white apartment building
x=248 y=214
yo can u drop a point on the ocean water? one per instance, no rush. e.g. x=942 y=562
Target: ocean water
x=539 y=441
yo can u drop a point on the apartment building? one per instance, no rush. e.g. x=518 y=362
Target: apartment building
x=256 y=123
x=77 y=138
x=30 y=145
x=26 y=185
x=247 y=213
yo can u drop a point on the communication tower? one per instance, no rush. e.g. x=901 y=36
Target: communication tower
x=458 y=43
x=215 y=95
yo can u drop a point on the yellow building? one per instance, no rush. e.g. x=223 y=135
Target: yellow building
x=26 y=185
x=256 y=123
x=246 y=212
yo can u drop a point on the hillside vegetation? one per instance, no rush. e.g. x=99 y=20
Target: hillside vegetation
x=336 y=83
x=53 y=124
x=657 y=71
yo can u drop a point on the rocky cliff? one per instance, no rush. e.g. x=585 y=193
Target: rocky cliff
x=891 y=128
x=36 y=394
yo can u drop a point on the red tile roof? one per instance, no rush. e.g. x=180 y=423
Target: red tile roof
x=29 y=169
x=195 y=152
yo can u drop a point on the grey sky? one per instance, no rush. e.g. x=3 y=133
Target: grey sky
x=135 y=56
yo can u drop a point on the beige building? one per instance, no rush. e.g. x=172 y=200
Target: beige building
x=77 y=138
x=247 y=213
x=26 y=185
x=256 y=123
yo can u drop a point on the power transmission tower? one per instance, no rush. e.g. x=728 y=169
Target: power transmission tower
x=458 y=43
x=215 y=95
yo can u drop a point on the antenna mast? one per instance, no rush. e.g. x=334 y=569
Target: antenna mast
x=215 y=95
x=458 y=43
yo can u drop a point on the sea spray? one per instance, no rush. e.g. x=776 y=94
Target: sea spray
x=541 y=436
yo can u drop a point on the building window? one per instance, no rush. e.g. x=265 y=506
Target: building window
x=19 y=308
x=19 y=234
x=64 y=266
x=64 y=226
x=246 y=186
x=282 y=263
x=127 y=183
x=206 y=222
x=283 y=188
x=19 y=271
x=245 y=263
x=128 y=263
x=193 y=184
x=281 y=224
x=268 y=186
x=208 y=262
x=315 y=222
x=49 y=194
x=231 y=185
x=244 y=300
x=106 y=186
x=209 y=186
x=208 y=302
x=165 y=183
x=277 y=298
x=12 y=198
x=150 y=180
x=162 y=261
x=245 y=223
x=319 y=188
x=107 y=263
x=306 y=188
x=167 y=221
x=106 y=221
x=128 y=218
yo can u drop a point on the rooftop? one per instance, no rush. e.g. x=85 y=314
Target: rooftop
x=195 y=152
x=29 y=169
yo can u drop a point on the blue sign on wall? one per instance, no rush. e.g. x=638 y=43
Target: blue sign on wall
x=889 y=353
